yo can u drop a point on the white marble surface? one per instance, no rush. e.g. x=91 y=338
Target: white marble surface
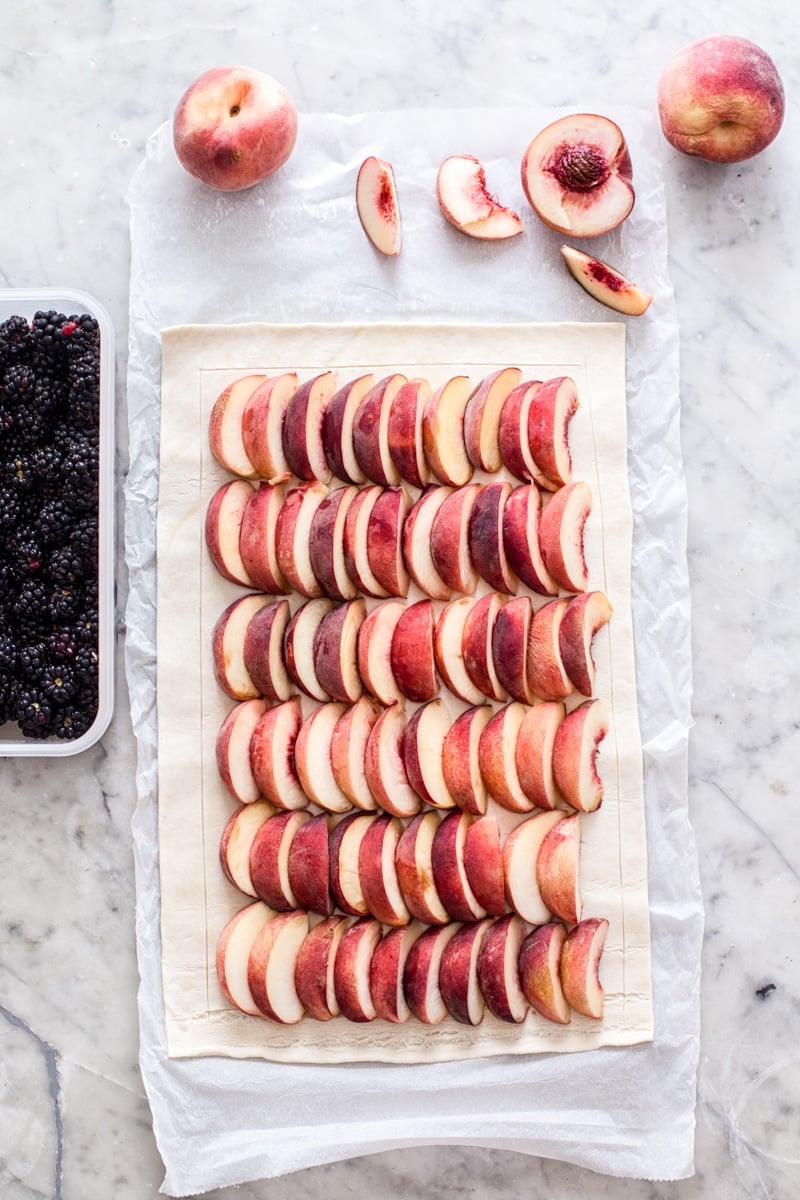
x=81 y=88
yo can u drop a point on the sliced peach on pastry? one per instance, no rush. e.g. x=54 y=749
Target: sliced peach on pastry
x=355 y=544
x=344 y=848
x=534 y=754
x=326 y=544
x=575 y=750
x=584 y=616
x=348 y=750
x=415 y=871
x=521 y=518
x=298 y=646
x=269 y=859
x=237 y=838
x=449 y=872
x=412 y=658
x=483 y=863
x=302 y=428
x=223 y=525
x=385 y=540
x=423 y=744
x=540 y=972
x=371 y=431
x=422 y=973
x=263 y=650
x=498 y=969
x=386 y=971
x=337 y=428
x=233 y=951
x=477 y=645
x=227 y=646
x=485 y=536
x=225 y=426
x=448 y=647
x=443 y=432
x=313 y=973
x=262 y=424
x=458 y=973
x=309 y=866
x=497 y=757
x=232 y=749
x=520 y=852
x=546 y=674
x=293 y=537
x=272 y=964
x=272 y=760
x=258 y=538
x=417 y=543
x=313 y=759
x=406 y=446
x=351 y=970
x=461 y=760
x=385 y=767
x=482 y=417
x=561 y=530
x=335 y=651
x=374 y=651
x=510 y=648
x=377 y=871
x=580 y=963
x=557 y=871
x=549 y=417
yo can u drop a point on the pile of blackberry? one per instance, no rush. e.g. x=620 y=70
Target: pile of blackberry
x=49 y=479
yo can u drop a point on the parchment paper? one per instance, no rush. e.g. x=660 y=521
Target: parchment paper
x=291 y=250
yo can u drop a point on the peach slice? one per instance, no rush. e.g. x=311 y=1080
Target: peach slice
x=540 y=972
x=335 y=651
x=485 y=536
x=477 y=645
x=313 y=972
x=546 y=674
x=458 y=973
x=351 y=970
x=576 y=175
x=510 y=648
x=377 y=871
x=386 y=973
x=385 y=540
x=309 y=866
x=468 y=205
x=233 y=951
x=337 y=428
x=422 y=973
x=371 y=431
x=415 y=872
x=258 y=538
x=232 y=750
x=512 y=434
x=584 y=615
x=293 y=537
x=575 y=749
x=534 y=753
x=405 y=432
x=302 y=428
x=355 y=545
x=605 y=283
x=460 y=760
x=269 y=859
x=498 y=969
x=549 y=416
x=482 y=418
x=521 y=517
x=272 y=755
x=262 y=424
x=326 y=544
x=385 y=768
x=263 y=650
x=227 y=646
x=223 y=524
x=580 y=962
x=348 y=750
x=374 y=651
x=520 y=852
x=237 y=838
x=497 y=757
x=483 y=863
x=450 y=540
x=449 y=872
x=448 y=648
x=417 y=543
x=272 y=965
x=557 y=868
x=423 y=744
x=344 y=848
x=312 y=756
x=225 y=426
x=298 y=647
x=443 y=432
x=411 y=657
x=377 y=205
x=561 y=529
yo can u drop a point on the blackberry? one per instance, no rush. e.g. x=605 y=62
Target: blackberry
x=65 y=567
x=83 y=535
x=19 y=382
x=64 y=603
x=73 y=721
x=14 y=507
x=45 y=464
x=58 y=683
x=79 y=468
x=16 y=341
x=8 y=654
x=46 y=332
x=31 y=660
x=34 y=714
x=24 y=553
x=32 y=610
x=61 y=646
x=86 y=664
x=54 y=522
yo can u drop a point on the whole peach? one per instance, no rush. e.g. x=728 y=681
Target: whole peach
x=721 y=99
x=233 y=127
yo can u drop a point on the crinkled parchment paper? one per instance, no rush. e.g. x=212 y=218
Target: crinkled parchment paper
x=291 y=251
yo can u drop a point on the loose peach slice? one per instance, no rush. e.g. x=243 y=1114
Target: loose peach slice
x=580 y=962
x=534 y=754
x=377 y=205
x=412 y=659
x=262 y=424
x=546 y=674
x=415 y=872
x=272 y=755
x=258 y=538
x=293 y=537
x=477 y=645
x=348 y=749
x=405 y=432
x=309 y=866
x=326 y=544
x=298 y=647
x=233 y=952
x=510 y=637
x=561 y=529
x=371 y=431
x=417 y=543
x=272 y=964
x=468 y=205
x=483 y=863
x=223 y=525
x=385 y=540
x=233 y=750
x=520 y=852
x=557 y=868
x=269 y=859
x=449 y=872
x=584 y=615
x=575 y=749
x=549 y=415
x=485 y=536
x=423 y=744
x=497 y=758
x=374 y=651
x=498 y=969
x=313 y=973
x=263 y=650
x=450 y=540
x=540 y=971
x=225 y=426
x=461 y=762
x=227 y=646
x=576 y=174
x=335 y=651
x=521 y=517
x=302 y=428
x=377 y=871
x=458 y=973
x=337 y=428
x=512 y=434
x=237 y=838
x=385 y=768
x=482 y=418
x=443 y=432
x=355 y=544
x=351 y=969
x=386 y=973
x=312 y=756
x=344 y=848
x=605 y=283
x=448 y=648
x=422 y=973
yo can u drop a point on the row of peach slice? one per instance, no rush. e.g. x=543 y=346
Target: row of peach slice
x=394 y=428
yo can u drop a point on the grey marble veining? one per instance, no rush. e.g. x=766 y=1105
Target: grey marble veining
x=81 y=88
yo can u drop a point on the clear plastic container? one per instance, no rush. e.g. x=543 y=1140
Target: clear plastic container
x=25 y=302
